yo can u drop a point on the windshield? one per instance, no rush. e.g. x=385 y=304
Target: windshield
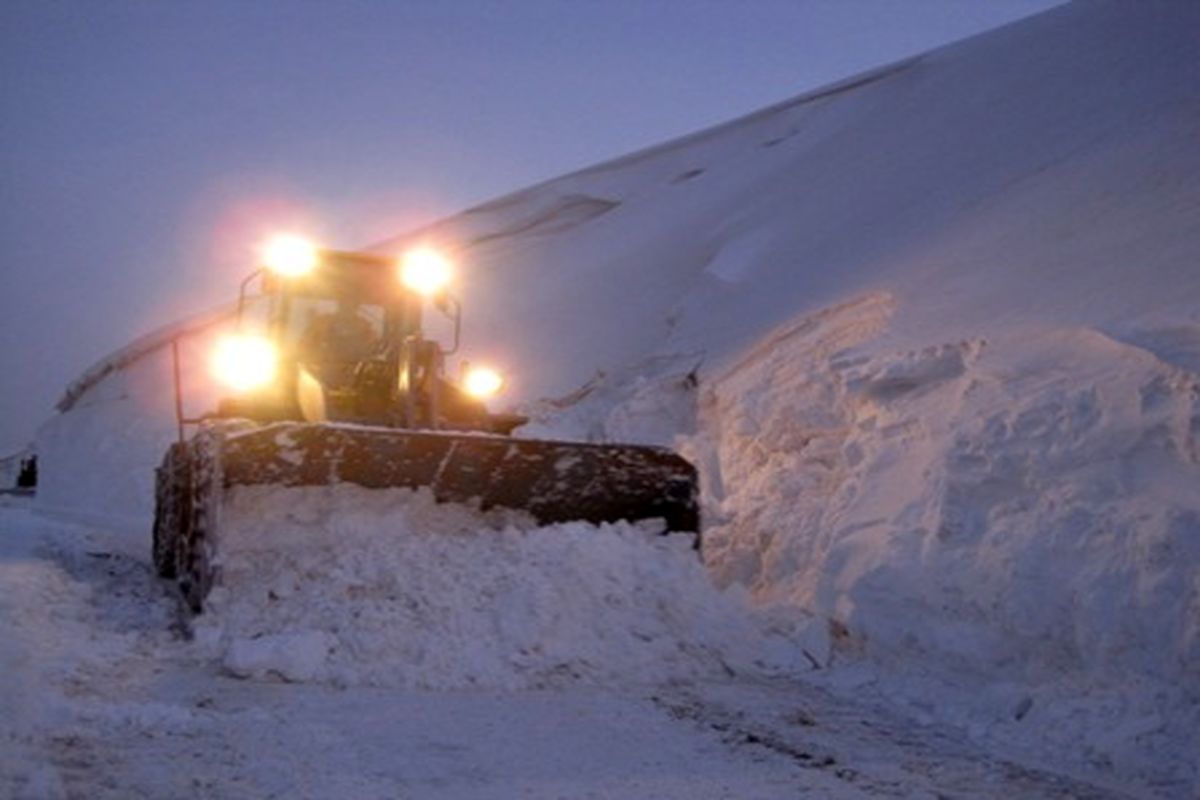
x=333 y=337
x=322 y=324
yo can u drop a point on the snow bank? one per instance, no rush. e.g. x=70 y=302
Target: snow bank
x=1020 y=505
x=385 y=587
x=97 y=460
x=97 y=456
x=1018 y=513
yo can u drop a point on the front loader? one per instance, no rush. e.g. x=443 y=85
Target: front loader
x=333 y=380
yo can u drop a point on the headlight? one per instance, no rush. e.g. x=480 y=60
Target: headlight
x=244 y=363
x=290 y=256
x=482 y=383
x=425 y=271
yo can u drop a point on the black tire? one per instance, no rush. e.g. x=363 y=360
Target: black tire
x=195 y=580
x=191 y=550
x=172 y=496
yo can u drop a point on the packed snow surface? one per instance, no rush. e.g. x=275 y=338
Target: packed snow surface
x=104 y=699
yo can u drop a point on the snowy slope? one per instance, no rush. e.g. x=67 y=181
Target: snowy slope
x=932 y=336
x=98 y=454
x=1043 y=173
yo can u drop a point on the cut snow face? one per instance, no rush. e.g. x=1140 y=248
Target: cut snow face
x=1026 y=504
x=385 y=587
x=1022 y=511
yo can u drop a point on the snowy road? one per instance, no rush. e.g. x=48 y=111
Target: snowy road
x=104 y=698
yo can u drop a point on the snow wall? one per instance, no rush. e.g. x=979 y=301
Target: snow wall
x=1027 y=504
x=97 y=455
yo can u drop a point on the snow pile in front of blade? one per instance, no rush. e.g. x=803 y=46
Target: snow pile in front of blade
x=352 y=586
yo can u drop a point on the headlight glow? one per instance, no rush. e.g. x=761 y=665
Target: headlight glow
x=290 y=256
x=425 y=271
x=244 y=362
x=482 y=382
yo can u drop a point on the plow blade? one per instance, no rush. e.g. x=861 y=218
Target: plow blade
x=552 y=481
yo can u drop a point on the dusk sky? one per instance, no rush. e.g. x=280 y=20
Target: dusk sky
x=148 y=146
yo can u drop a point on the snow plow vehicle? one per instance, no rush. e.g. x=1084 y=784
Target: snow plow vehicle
x=332 y=380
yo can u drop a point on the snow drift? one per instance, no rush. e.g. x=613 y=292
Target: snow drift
x=98 y=454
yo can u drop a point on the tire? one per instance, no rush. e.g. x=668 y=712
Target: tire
x=172 y=495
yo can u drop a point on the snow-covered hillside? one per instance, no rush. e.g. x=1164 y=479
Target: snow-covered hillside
x=1042 y=174
x=932 y=336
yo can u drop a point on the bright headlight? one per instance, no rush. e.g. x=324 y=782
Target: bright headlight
x=244 y=363
x=425 y=271
x=482 y=382
x=290 y=256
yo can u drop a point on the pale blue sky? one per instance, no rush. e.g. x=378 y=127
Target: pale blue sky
x=145 y=144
